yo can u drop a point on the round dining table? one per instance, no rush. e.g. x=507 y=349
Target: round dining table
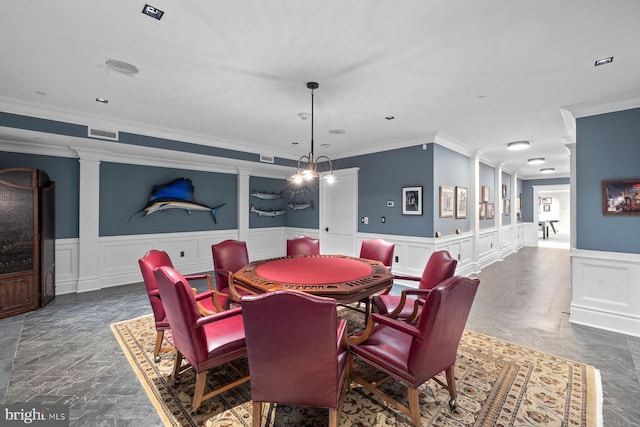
x=344 y=278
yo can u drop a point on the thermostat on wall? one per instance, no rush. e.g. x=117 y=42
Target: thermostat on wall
x=390 y=203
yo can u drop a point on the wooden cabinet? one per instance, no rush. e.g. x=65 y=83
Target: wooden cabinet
x=27 y=240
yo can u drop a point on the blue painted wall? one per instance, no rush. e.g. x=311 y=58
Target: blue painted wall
x=65 y=172
x=607 y=148
x=486 y=177
x=450 y=169
x=381 y=178
x=305 y=194
x=125 y=190
x=71 y=129
x=528 y=204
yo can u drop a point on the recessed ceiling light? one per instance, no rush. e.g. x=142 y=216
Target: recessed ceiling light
x=104 y=101
x=337 y=131
x=482 y=97
x=603 y=61
x=389 y=118
x=547 y=170
x=536 y=161
x=152 y=12
x=518 y=145
x=39 y=92
x=325 y=145
x=294 y=143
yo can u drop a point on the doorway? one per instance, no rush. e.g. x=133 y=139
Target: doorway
x=552 y=211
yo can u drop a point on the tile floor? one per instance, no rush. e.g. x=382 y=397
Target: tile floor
x=66 y=352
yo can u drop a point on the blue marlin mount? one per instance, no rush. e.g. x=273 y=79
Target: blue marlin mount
x=177 y=194
x=262 y=212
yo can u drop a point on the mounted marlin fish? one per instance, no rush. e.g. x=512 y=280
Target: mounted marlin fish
x=299 y=206
x=266 y=196
x=177 y=194
x=261 y=212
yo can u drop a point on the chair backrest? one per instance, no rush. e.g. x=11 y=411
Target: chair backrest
x=149 y=262
x=229 y=256
x=441 y=325
x=440 y=267
x=182 y=314
x=378 y=250
x=303 y=245
x=292 y=348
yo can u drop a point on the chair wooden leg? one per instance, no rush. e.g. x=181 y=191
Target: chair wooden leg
x=156 y=350
x=176 y=365
x=257 y=414
x=414 y=406
x=451 y=386
x=201 y=381
x=333 y=417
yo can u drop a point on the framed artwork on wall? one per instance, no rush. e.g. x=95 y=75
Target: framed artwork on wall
x=447 y=197
x=483 y=210
x=547 y=200
x=461 y=201
x=504 y=191
x=485 y=193
x=411 y=200
x=621 y=197
x=507 y=207
x=491 y=209
x=546 y=208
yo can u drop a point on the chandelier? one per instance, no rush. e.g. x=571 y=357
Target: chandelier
x=308 y=165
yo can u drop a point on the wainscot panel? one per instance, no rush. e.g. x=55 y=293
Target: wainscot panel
x=606 y=294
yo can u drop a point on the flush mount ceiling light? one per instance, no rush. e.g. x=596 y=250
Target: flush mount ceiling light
x=389 y=118
x=103 y=100
x=518 y=145
x=603 y=61
x=547 y=170
x=536 y=161
x=122 y=67
x=308 y=165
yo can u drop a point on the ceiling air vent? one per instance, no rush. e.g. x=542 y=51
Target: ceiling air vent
x=103 y=134
x=266 y=159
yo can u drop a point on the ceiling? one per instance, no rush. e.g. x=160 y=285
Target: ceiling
x=233 y=74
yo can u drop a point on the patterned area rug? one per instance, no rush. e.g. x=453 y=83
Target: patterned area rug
x=499 y=384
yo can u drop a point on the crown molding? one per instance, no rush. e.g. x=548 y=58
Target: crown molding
x=593 y=108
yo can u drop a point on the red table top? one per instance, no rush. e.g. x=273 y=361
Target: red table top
x=344 y=278
x=305 y=270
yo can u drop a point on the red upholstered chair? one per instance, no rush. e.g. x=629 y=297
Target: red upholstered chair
x=415 y=353
x=296 y=348
x=303 y=245
x=440 y=267
x=205 y=342
x=378 y=250
x=208 y=302
x=229 y=256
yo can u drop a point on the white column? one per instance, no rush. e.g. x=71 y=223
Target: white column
x=89 y=256
x=497 y=197
x=243 y=204
x=473 y=208
x=572 y=195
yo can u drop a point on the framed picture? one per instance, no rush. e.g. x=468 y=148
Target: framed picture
x=485 y=193
x=483 y=210
x=520 y=201
x=546 y=208
x=507 y=207
x=412 y=200
x=491 y=209
x=504 y=191
x=461 y=201
x=447 y=197
x=621 y=197
x=547 y=200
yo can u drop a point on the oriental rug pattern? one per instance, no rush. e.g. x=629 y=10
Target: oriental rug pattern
x=499 y=384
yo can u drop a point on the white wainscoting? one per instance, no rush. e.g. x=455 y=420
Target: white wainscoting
x=487 y=248
x=606 y=290
x=118 y=255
